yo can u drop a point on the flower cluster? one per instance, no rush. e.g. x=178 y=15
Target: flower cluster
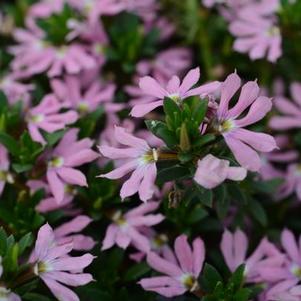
x=130 y=130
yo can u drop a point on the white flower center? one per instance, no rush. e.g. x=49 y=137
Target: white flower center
x=189 y=282
x=4 y=293
x=296 y=270
x=159 y=241
x=83 y=107
x=98 y=48
x=42 y=267
x=56 y=162
x=61 y=52
x=175 y=97
x=226 y=126
x=6 y=176
x=37 y=118
x=149 y=157
x=119 y=219
x=273 y=31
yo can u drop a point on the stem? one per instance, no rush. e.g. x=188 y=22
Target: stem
x=166 y=156
x=23 y=278
x=205 y=48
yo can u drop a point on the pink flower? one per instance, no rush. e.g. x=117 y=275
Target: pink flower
x=46 y=116
x=70 y=231
x=16 y=91
x=72 y=94
x=68 y=154
x=49 y=203
x=139 y=158
x=125 y=227
x=56 y=268
x=34 y=55
x=181 y=276
x=166 y=64
x=292 y=180
x=257 y=31
x=5 y=175
x=158 y=244
x=288 y=275
x=212 y=171
x=243 y=143
x=93 y=9
x=234 y=248
x=291 y=111
x=174 y=89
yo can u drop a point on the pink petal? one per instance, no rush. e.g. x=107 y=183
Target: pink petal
x=290 y=245
x=245 y=155
x=59 y=291
x=165 y=286
x=141 y=110
x=198 y=256
x=72 y=176
x=147 y=186
x=259 y=141
x=228 y=89
x=72 y=263
x=190 y=80
x=142 y=209
x=184 y=254
x=151 y=87
x=75 y=225
x=110 y=237
x=260 y=107
x=296 y=92
x=173 y=85
x=57 y=187
x=44 y=241
x=128 y=139
x=249 y=93
x=70 y=279
x=80 y=158
x=161 y=265
x=121 y=171
x=131 y=186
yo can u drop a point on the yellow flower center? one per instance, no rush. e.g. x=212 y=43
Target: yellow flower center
x=41 y=267
x=226 y=126
x=119 y=219
x=56 y=162
x=159 y=241
x=189 y=282
x=273 y=31
x=296 y=270
x=151 y=156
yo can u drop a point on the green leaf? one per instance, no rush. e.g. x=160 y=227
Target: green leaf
x=258 y=212
x=25 y=242
x=173 y=173
x=209 y=278
x=137 y=271
x=172 y=114
x=184 y=138
x=53 y=138
x=242 y=295
x=10 y=143
x=19 y=168
x=3 y=242
x=199 y=111
x=159 y=129
x=268 y=186
x=222 y=202
x=237 y=277
x=205 y=196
